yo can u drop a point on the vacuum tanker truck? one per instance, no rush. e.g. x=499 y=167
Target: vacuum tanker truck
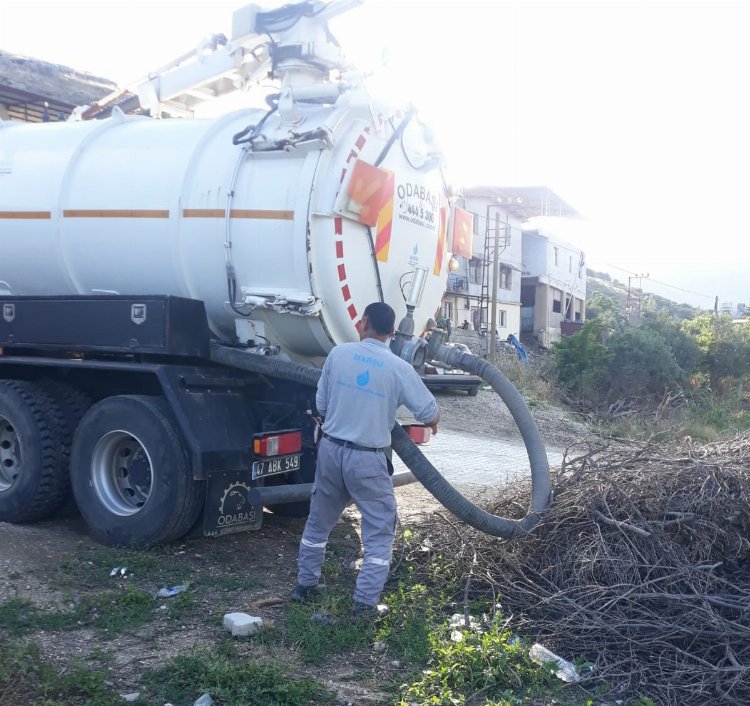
x=168 y=284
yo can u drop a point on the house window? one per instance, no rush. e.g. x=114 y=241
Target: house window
x=506 y=277
x=502 y=318
x=475 y=270
x=448 y=310
x=557 y=301
x=556 y=255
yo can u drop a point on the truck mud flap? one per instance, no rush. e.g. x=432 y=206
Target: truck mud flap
x=227 y=508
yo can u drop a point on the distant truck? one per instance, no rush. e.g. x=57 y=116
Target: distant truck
x=163 y=281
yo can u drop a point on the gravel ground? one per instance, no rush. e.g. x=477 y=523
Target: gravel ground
x=487 y=414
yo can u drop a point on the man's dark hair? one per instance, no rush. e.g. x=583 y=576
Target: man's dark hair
x=381 y=317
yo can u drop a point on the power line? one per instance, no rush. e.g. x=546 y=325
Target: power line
x=664 y=284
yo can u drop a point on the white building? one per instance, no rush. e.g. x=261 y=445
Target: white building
x=499 y=215
x=553 y=288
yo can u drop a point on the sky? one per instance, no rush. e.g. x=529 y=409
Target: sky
x=636 y=113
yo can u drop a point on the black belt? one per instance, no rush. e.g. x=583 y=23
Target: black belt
x=350 y=444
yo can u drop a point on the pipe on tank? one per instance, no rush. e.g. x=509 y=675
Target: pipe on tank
x=419 y=466
x=279 y=494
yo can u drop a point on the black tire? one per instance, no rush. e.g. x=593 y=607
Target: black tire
x=473 y=391
x=130 y=473
x=33 y=478
x=73 y=404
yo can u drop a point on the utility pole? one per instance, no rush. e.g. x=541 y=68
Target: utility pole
x=629 y=305
x=493 y=314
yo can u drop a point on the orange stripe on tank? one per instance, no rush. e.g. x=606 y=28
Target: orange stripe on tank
x=262 y=214
x=115 y=213
x=250 y=213
x=26 y=215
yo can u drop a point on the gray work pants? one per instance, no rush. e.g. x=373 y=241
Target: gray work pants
x=342 y=475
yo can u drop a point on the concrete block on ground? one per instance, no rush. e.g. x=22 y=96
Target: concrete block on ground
x=242 y=624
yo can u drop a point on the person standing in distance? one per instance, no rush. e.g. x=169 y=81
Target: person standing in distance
x=360 y=388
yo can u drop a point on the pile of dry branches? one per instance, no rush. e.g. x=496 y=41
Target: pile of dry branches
x=642 y=566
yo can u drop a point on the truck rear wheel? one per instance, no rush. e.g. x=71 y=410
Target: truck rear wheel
x=130 y=473
x=73 y=404
x=33 y=480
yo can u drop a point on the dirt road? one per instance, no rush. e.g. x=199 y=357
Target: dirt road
x=52 y=574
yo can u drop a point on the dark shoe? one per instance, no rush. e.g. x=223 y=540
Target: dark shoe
x=304 y=594
x=363 y=611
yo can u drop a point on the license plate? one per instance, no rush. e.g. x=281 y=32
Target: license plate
x=271 y=466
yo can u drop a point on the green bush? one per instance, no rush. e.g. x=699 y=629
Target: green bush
x=582 y=363
x=641 y=364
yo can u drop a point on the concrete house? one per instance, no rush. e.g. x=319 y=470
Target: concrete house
x=499 y=217
x=553 y=288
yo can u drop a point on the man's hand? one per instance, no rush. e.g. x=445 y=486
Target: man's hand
x=434 y=425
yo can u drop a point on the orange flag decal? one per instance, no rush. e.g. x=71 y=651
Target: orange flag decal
x=370 y=189
x=462 y=232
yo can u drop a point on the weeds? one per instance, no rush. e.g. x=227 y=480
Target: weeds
x=111 y=611
x=233 y=681
x=90 y=569
x=25 y=678
x=466 y=664
x=317 y=640
x=407 y=626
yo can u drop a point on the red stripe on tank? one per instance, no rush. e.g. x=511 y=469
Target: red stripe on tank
x=352 y=311
x=345 y=291
x=338 y=225
x=339 y=249
x=342 y=273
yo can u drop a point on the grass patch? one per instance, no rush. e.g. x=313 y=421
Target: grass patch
x=25 y=678
x=182 y=606
x=318 y=640
x=232 y=681
x=228 y=582
x=407 y=627
x=92 y=568
x=111 y=611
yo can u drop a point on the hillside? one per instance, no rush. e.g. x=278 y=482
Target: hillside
x=608 y=286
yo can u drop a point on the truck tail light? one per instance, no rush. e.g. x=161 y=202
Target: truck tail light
x=277 y=444
x=418 y=433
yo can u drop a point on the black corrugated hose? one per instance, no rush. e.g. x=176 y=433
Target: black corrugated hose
x=422 y=469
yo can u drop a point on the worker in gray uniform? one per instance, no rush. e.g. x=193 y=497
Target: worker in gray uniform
x=361 y=387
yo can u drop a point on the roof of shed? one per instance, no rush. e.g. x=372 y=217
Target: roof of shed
x=26 y=84
x=526 y=201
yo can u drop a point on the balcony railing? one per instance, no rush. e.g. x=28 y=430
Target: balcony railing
x=458 y=283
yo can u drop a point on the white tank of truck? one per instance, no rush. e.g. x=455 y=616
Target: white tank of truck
x=285 y=222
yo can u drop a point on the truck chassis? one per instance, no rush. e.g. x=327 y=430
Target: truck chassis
x=115 y=399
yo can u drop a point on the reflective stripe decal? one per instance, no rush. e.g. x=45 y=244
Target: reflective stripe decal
x=308 y=543
x=26 y=215
x=379 y=562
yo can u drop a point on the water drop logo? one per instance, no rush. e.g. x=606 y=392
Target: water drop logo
x=363 y=378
